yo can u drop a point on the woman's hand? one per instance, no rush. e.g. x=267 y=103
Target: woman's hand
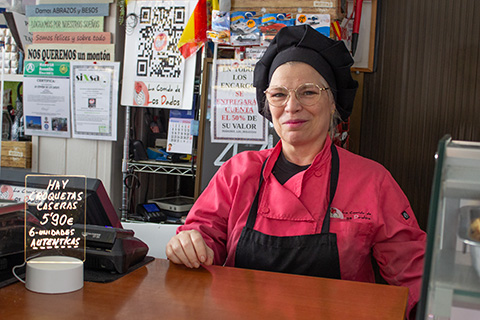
x=189 y=248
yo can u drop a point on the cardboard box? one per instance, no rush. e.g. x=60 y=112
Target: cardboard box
x=17 y=154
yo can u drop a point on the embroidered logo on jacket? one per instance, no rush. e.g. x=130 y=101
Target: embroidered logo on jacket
x=349 y=215
x=335 y=213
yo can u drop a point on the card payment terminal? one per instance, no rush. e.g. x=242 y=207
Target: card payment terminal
x=150 y=212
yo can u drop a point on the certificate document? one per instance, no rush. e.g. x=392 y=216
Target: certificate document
x=94 y=91
x=46 y=99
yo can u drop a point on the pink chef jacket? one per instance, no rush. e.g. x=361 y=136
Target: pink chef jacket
x=370 y=214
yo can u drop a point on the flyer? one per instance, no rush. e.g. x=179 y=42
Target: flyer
x=234 y=114
x=46 y=99
x=94 y=91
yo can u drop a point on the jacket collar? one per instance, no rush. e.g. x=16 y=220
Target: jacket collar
x=321 y=160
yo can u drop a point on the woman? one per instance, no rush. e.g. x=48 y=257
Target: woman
x=305 y=206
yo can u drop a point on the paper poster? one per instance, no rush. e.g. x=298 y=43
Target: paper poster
x=94 y=91
x=234 y=114
x=155 y=73
x=180 y=138
x=46 y=99
x=70 y=52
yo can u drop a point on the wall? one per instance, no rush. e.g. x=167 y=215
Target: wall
x=426 y=85
x=92 y=158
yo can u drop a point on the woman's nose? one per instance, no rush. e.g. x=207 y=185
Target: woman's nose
x=293 y=104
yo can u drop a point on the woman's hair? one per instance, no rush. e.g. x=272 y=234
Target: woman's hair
x=335 y=120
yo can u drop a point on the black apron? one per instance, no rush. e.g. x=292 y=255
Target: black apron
x=312 y=255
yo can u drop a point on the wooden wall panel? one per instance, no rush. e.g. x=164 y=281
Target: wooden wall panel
x=426 y=85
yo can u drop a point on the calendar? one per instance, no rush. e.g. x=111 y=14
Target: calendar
x=180 y=137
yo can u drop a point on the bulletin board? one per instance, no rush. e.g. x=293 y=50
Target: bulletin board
x=288 y=6
x=365 y=55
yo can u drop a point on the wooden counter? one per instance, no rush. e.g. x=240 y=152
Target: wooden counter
x=162 y=290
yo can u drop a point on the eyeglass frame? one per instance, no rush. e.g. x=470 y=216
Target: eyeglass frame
x=295 y=90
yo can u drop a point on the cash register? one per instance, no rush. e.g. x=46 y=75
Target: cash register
x=114 y=249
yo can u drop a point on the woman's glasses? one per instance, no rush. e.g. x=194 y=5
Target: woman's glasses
x=307 y=94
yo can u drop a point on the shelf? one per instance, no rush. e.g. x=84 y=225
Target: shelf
x=462 y=170
x=462 y=183
x=13 y=77
x=456 y=275
x=179 y=169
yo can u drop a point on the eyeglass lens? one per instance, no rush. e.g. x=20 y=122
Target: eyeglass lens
x=307 y=94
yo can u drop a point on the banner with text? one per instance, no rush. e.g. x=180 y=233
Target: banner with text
x=70 y=52
x=72 y=37
x=67 y=9
x=235 y=116
x=49 y=24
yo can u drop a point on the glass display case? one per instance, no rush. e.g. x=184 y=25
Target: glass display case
x=451 y=280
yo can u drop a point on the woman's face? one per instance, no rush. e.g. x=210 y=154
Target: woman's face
x=296 y=124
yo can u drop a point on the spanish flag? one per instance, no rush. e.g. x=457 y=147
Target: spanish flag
x=195 y=33
x=337 y=29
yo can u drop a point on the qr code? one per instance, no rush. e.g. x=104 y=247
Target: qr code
x=160 y=29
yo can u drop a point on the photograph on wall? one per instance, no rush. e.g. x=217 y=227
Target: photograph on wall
x=46 y=99
x=234 y=113
x=94 y=91
x=155 y=73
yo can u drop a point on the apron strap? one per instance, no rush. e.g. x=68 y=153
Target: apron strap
x=335 y=163
x=252 y=216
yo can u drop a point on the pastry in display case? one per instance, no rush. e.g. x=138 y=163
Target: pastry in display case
x=469 y=232
x=451 y=279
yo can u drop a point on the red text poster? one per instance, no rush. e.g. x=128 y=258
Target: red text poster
x=234 y=113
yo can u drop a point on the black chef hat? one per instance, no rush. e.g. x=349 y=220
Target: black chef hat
x=303 y=43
